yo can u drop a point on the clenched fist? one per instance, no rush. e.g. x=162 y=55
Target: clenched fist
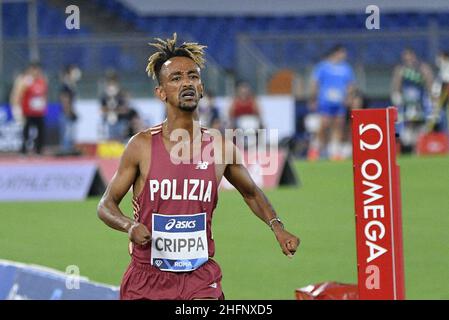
x=288 y=242
x=139 y=234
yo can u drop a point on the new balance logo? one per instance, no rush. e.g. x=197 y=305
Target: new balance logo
x=213 y=285
x=202 y=165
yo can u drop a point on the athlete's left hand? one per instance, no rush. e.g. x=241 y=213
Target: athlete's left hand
x=288 y=242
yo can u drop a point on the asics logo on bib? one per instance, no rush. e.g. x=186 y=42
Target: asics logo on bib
x=179 y=225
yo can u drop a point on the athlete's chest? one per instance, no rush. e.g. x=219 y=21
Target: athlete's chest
x=181 y=188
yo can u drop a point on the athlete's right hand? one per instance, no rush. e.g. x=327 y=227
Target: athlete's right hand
x=139 y=234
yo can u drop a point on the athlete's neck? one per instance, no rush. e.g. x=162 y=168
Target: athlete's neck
x=185 y=121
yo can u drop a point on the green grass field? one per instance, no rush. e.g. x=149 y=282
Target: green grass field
x=321 y=212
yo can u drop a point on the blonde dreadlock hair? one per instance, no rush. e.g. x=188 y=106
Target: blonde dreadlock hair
x=167 y=49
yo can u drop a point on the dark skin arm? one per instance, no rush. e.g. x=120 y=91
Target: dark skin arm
x=108 y=209
x=238 y=176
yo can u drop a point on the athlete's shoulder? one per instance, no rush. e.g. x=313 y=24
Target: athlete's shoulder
x=144 y=136
x=141 y=141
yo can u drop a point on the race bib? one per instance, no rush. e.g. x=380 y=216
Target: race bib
x=37 y=103
x=179 y=242
x=334 y=95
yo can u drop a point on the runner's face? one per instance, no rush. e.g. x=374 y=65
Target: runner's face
x=181 y=83
x=341 y=55
x=35 y=71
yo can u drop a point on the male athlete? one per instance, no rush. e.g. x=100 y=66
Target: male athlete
x=332 y=87
x=411 y=91
x=175 y=193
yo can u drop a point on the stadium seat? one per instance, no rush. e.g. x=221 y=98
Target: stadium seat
x=220 y=32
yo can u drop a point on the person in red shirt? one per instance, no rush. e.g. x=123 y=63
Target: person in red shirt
x=245 y=117
x=175 y=193
x=29 y=103
x=244 y=111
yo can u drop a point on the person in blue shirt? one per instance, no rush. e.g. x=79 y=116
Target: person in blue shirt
x=331 y=90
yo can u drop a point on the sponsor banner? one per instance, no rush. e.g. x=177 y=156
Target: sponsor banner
x=377 y=205
x=433 y=143
x=107 y=168
x=10 y=137
x=29 y=282
x=179 y=243
x=10 y=131
x=46 y=180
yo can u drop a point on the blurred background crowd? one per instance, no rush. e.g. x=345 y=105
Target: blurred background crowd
x=323 y=60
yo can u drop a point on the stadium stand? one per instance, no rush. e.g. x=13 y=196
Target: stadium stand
x=241 y=45
x=222 y=31
x=49 y=18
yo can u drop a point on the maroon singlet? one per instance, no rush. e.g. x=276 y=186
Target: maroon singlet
x=176 y=205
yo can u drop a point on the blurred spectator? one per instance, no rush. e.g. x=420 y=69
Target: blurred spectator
x=302 y=135
x=244 y=113
x=129 y=118
x=331 y=90
x=67 y=93
x=29 y=104
x=208 y=112
x=135 y=124
x=440 y=92
x=357 y=101
x=112 y=99
x=411 y=88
